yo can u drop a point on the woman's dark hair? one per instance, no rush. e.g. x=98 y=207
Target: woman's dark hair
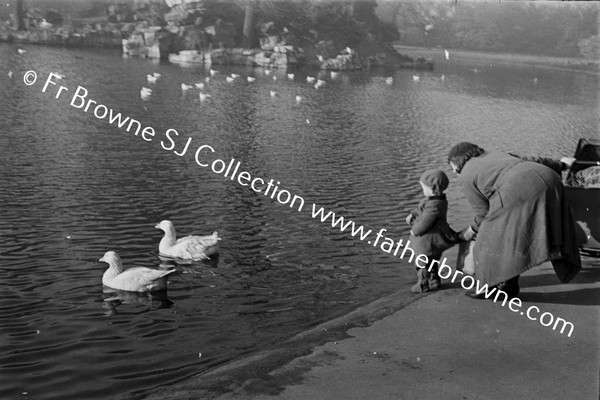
x=463 y=152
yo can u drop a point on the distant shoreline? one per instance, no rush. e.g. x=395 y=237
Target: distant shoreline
x=479 y=57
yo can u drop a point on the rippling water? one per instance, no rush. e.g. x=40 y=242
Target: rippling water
x=73 y=186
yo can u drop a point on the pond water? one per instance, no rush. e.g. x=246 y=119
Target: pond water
x=73 y=186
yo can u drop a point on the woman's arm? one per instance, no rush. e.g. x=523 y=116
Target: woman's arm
x=556 y=165
x=478 y=201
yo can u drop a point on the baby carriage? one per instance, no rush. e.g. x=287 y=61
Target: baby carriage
x=582 y=185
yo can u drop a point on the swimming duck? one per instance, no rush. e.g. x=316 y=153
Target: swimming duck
x=136 y=279
x=319 y=83
x=145 y=93
x=151 y=78
x=310 y=79
x=250 y=79
x=229 y=79
x=291 y=76
x=200 y=85
x=389 y=80
x=193 y=248
x=185 y=87
x=203 y=96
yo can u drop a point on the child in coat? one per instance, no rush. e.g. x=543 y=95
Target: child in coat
x=430 y=233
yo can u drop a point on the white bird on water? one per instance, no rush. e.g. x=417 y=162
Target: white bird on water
x=151 y=78
x=290 y=76
x=10 y=74
x=229 y=79
x=204 y=96
x=235 y=76
x=145 y=93
x=389 y=80
x=334 y=74
x=416 y=78
x=207 y=79
x=185 y=87
x=250 y=79
x=190 y=247
x=213 y=72
x=447 y=54
x=273 y=93
x=21 y=51
x=136 y=279
x=267 y=72
x=298 y=99
x=199 y=85
x=319 y=83
x=156 y=75
x=310 y=79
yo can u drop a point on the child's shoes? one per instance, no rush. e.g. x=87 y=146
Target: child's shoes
x=422 y=284
x=435 y=282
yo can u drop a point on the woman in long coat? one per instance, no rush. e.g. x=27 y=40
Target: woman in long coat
x=521 y=218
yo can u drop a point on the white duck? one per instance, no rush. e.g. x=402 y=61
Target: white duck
x=145 y=93
x=193 y=248
x=136 y=279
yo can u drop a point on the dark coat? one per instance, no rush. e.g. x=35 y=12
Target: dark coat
x=431 y=234
x=521 y=216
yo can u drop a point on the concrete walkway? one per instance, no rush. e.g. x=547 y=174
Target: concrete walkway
x=447 y=346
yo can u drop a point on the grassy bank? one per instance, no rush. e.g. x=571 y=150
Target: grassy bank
x=479 y=57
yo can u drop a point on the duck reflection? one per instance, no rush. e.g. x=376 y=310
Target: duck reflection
x=186 y=266
x=113 y=298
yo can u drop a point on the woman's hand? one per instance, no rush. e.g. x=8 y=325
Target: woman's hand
x=568 y=162
x=467 y=234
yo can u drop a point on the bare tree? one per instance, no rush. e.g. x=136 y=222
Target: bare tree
x=248 y=30
x=20 y=15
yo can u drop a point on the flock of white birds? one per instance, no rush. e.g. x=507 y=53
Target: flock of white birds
x=314 y=81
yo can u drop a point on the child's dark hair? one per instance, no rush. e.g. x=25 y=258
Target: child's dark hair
x=463 y=152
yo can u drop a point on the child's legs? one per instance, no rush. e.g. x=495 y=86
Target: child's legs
x=434 y=280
